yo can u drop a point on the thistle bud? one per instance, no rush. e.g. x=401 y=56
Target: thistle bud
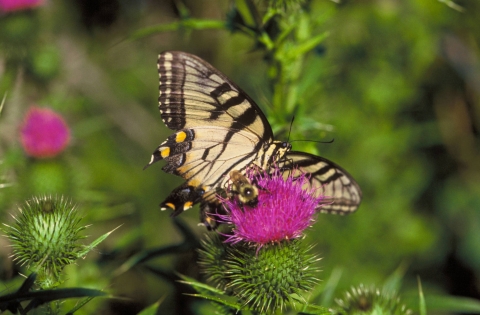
x=45 y=237
x=370 y=301
x=264 y=279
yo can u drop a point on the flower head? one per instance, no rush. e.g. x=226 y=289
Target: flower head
x=285 y=208
x=46 y=236
x=44 y=133
x=19 y=5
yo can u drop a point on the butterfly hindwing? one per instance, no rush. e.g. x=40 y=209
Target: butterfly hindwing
x=342 y=193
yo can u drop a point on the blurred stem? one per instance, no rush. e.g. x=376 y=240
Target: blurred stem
x=249 y=13
x=187 y=24
x=3 y=103
x=286 y=56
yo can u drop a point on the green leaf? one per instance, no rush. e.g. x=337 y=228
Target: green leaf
x=422 y=304
x=199 y=285
x=330 y=286
x=88 y=248
x=41 y=297
x=236 y=306
x=38 y=298
x=317 y=310
x=249 y=13
x=453 y=5
x=308 y=45
x=394 y=281
x=192 y=282
x=148 y=255
x=287 y=31
x=80 y=305
x=152 y=309
x=455 y=304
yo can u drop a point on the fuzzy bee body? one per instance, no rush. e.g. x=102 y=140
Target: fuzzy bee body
x=241 y=187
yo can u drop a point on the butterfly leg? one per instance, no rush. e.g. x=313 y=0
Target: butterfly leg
x=208 y=211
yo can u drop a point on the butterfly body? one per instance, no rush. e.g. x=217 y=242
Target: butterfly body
x=220 y=130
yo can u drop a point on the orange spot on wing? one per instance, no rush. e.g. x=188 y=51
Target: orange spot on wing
x=181 y=136
x=165 y=152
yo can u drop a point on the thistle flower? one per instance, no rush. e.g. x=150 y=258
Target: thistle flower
x=19 y=5
x=284 y=209
x=363 y=300
x=45 y=236
x=263 y=281
x=44 y=133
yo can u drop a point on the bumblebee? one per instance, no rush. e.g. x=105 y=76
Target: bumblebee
x=245 y=192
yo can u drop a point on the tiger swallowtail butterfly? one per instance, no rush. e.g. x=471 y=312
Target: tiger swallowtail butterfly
x=220 y=129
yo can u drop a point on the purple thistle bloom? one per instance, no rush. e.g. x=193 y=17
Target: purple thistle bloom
x=284 y=210
x=44 y=133
x=19 y=5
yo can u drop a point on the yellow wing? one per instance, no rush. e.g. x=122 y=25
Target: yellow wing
x=219 y=128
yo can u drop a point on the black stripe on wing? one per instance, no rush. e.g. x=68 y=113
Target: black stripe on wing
x=193 y=93
x=343 y=195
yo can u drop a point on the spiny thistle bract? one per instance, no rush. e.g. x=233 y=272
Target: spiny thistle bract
x=211 y=260
x=45 y=236
x=263 y=280
x=370 y=300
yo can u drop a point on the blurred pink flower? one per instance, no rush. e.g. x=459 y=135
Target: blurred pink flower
x=284 y=209
x=18 y=5
x=44 y=133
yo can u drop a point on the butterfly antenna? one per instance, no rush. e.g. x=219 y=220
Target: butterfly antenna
x=290 y=131
x=330 y=141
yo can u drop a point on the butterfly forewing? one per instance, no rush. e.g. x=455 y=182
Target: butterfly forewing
x=342 y=194
x=193 y=93
x=219 y=128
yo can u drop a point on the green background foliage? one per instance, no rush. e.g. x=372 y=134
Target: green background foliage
x=395 y=83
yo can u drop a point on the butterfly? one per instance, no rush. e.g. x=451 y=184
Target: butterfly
x=220 y=129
